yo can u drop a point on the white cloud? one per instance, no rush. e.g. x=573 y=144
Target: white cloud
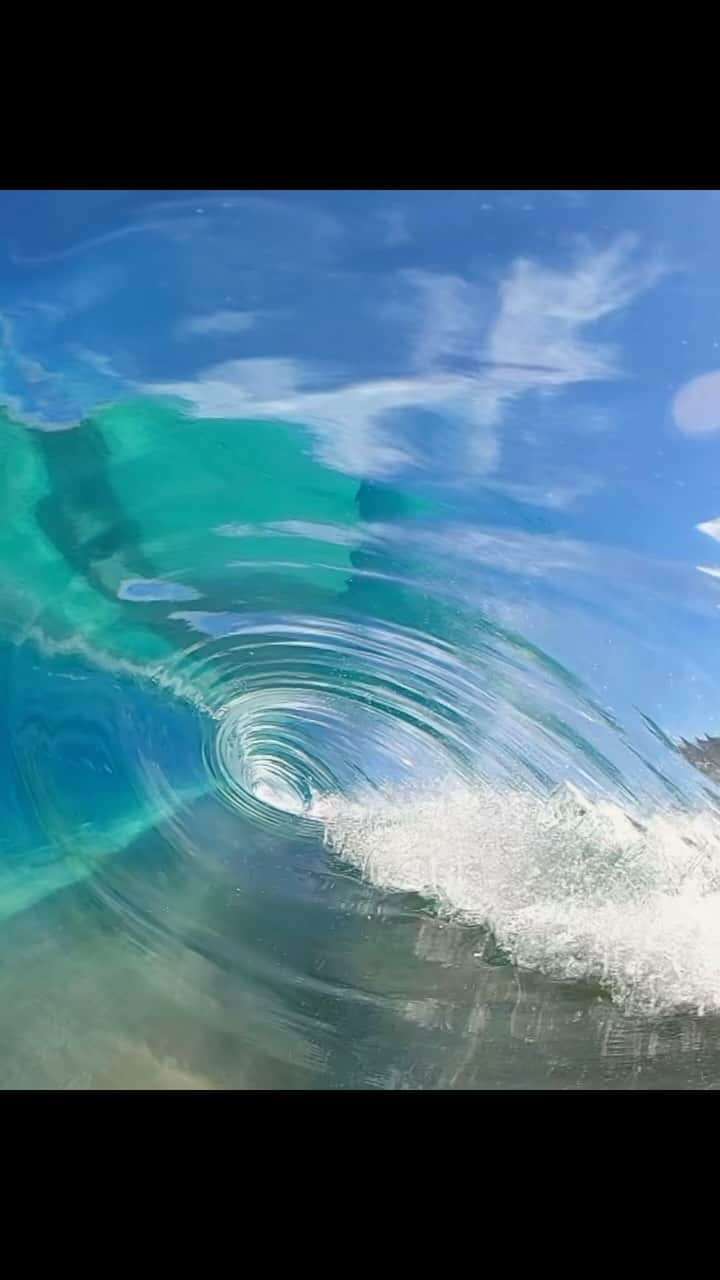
x=346 y=422
x=556 y=495
x=711 y=528
x=710 y=570
x=220 y=322
x=696 y=406
x=543 y=312
x=451 y=317
x=535 y=342
x=96 y=360
x=536 y=338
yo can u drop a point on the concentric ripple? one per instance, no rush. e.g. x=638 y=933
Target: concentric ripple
x=254 y=723
x=336 y=706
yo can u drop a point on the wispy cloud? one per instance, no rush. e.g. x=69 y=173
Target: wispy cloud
x=102 y=364
x=346 y=421
x=544 y=311
x=554 y=494
x=219 y=322
x=450 y=315
x=189 y=220
x=542 y=555
x=467 y=364
x=711 y=528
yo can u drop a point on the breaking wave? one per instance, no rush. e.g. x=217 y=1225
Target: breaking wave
x=576 y=888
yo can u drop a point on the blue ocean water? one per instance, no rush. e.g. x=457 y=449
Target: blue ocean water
x=358 y=638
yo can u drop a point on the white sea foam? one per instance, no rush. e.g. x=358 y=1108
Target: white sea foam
x=570 y=886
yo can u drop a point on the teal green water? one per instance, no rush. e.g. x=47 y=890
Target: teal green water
x=289 y=806
x=358 y=639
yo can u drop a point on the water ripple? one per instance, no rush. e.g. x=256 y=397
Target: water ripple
x=332 y=733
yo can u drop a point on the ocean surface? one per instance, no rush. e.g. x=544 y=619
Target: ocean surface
x=359 y=640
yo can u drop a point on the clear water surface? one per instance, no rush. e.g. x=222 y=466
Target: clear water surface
x=359 y=639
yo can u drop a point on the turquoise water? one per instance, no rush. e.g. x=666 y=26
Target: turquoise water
x=348 y=692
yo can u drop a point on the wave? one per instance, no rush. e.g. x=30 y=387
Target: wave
x=574 y=887
x=321 y=634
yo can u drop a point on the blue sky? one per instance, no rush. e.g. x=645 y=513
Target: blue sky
x=542 y=360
